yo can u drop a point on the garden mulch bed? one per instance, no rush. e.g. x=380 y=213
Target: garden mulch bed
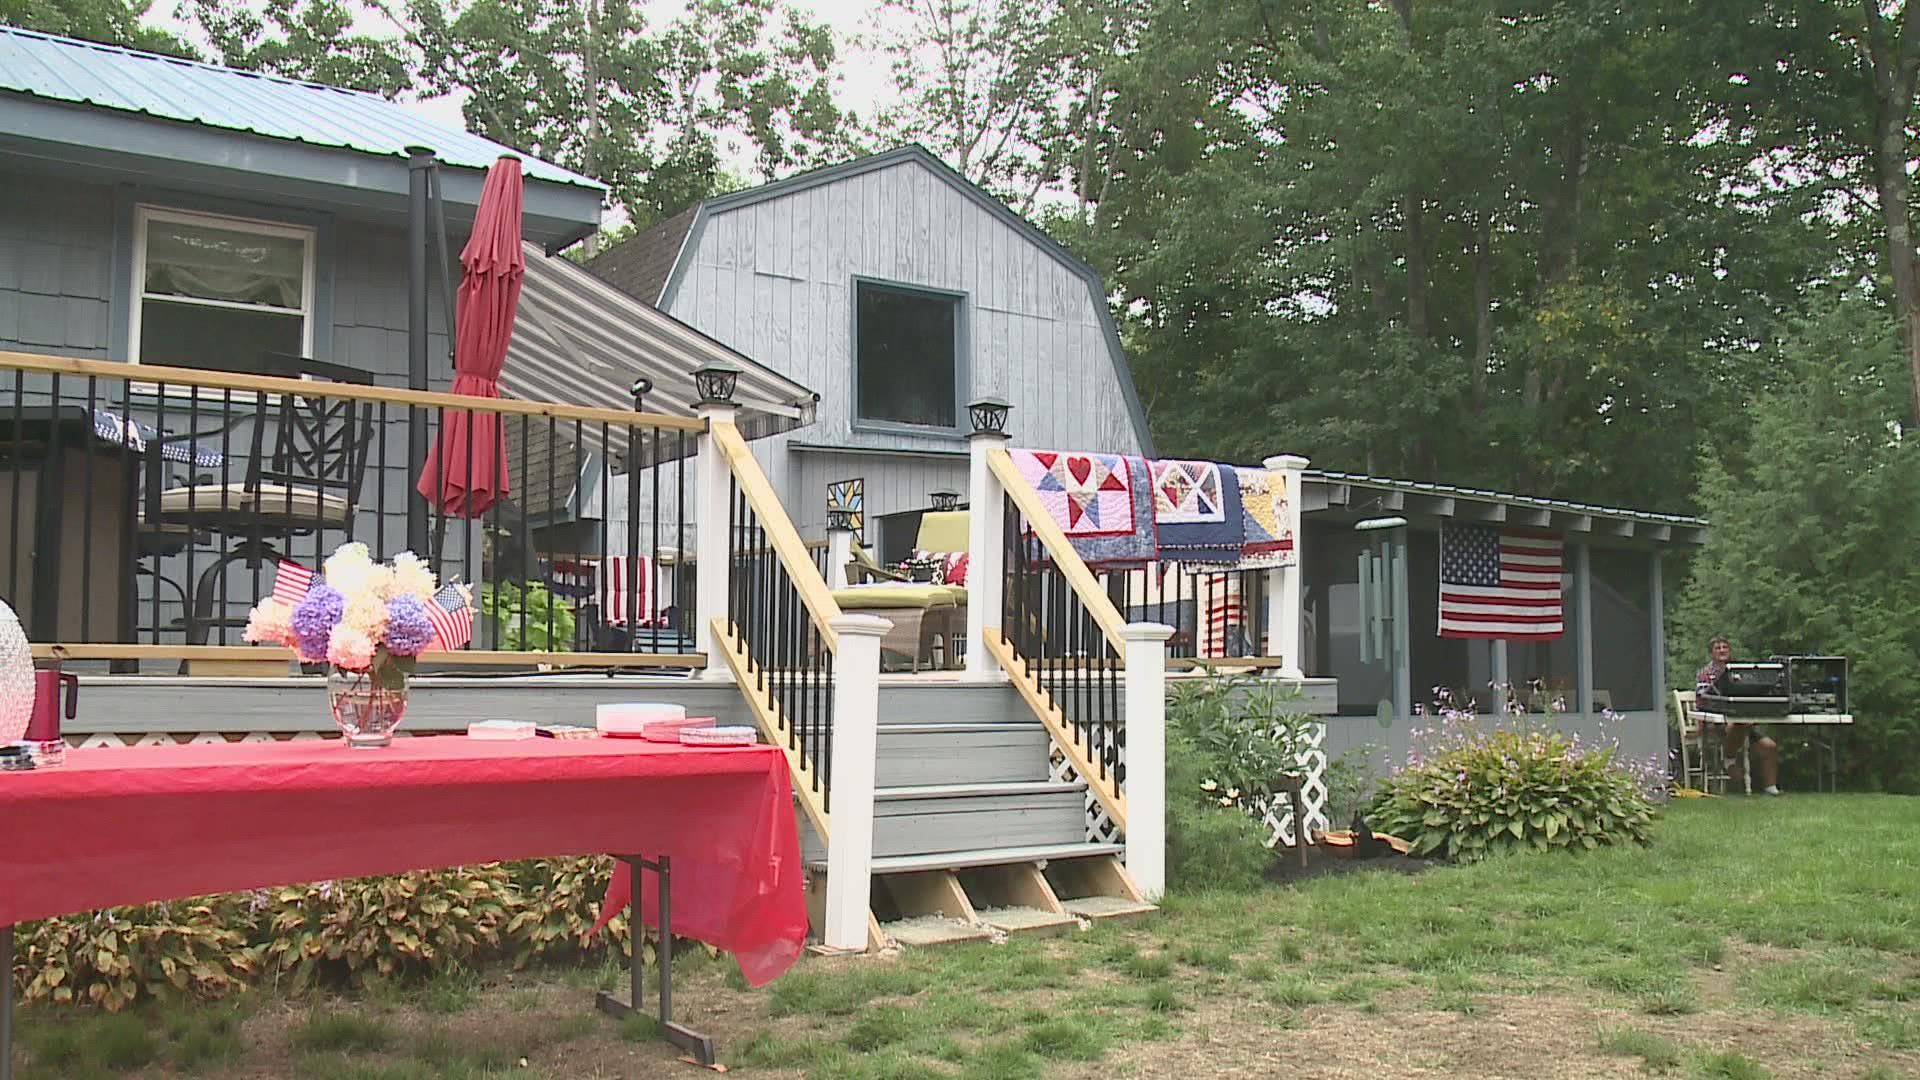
x=1285 y=869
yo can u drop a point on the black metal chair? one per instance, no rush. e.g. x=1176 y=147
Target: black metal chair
x=306 y=461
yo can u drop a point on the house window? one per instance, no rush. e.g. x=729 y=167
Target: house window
x=217 y=292
x=906 y=362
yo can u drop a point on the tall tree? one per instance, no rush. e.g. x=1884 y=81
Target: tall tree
x=110 y=22
x=317 y=40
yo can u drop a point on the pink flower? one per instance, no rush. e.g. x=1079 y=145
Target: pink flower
x=350 y=648
x=270 y=622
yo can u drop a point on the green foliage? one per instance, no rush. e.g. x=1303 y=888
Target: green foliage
x=1812 y=548
x=1229 y=741
x=528 y=618
x=110 y=22
x=559 y=901
x=1486 y=791
x=314 y=40
x=116 y=957
x=343 y=932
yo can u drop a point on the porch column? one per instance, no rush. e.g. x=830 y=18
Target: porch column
x=986 y=536
x=1284 y=582
x=1658 y=632
x=856 y=720
x=839 y=548
x=711 y=476
x=1583 y=646
x=1145 y=710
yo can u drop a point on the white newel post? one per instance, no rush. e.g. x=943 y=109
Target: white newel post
x=710 y=487
x=1283 y=582
x=856 y=723
x=839 y=553
x=986 y=547
x=1146 y=715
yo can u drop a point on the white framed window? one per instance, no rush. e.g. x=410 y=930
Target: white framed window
x=219 y=292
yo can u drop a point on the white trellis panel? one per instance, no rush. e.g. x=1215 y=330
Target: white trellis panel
x=1278 y=816
x=1101 y=829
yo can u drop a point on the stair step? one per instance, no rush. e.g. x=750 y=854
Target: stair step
x=934 y=930
x=976 y=791
x=917 y=727
x=1107 y=907
x=962 y=860
x=1027 y=920
x=930 y=754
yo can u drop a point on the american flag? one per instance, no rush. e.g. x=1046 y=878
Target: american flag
x=291 y=582
x=451 y=614
x=619 y=579
x=1499 y=583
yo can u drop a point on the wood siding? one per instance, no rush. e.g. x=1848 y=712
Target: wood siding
x=775 y=280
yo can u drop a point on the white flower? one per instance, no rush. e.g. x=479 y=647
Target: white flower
x=412 y=577
x=1233 y=793
x=1224 y=801
x=1208 y=785
x=349 y=569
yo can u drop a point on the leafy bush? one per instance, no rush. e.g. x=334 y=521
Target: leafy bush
x=527 y=617
x=113 y=958
x=1467 y=791
x=404 y=925
x=559 y=900
x=1229 y=741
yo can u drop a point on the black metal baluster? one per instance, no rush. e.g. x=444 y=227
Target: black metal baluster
x=18 y=481
x=86 y=514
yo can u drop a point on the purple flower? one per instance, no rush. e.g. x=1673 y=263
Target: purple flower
x=314 y=619
x=408 y=631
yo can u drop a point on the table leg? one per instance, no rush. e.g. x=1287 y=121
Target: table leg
x=6 y=1006
x=699 y=1047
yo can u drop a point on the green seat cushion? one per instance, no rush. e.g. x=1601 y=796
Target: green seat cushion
x=900 y=596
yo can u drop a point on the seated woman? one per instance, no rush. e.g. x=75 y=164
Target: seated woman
x=1765 y=752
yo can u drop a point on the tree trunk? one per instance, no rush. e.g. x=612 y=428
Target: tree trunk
x=1482 y=307
x=1416 y=265
x=591 y=74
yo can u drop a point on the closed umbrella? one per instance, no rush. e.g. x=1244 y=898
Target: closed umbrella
x=466 y=469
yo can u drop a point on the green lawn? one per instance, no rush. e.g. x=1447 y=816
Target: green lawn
x=1755 y=938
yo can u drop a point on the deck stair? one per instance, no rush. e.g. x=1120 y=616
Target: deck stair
x=972 y=837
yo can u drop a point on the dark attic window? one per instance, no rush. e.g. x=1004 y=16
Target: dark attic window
x=906 y=356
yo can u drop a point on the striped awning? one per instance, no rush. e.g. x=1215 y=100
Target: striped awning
x=581 y=341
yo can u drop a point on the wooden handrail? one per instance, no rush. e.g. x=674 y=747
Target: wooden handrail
x=267 y=384
x=781 y=535
x=1094 y=598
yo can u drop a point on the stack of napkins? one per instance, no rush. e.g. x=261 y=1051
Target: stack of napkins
x=630 y=720
x=718 y=736
x=500 y=730
x=669 y=730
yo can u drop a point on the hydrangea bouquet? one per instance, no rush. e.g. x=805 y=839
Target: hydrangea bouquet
x=368 y=622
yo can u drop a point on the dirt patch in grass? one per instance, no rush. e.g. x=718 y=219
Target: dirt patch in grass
x=1536 y=1037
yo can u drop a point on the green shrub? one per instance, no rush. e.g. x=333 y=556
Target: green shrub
x=1229 y=741
x=529 y=618
x=115 y=957
x=558 y=900
x=405 y=925
x=1476 y=791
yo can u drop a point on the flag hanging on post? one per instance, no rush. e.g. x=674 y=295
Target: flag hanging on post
x=1500 y=583
x=291 y=582
x=451 y=614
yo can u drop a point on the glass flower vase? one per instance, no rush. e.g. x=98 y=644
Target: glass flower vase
x=366 y=708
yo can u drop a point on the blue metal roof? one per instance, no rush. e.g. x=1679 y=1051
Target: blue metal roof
x=83 y=73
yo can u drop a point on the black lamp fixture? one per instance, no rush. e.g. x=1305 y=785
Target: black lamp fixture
x=715 y=383
x=642 y=386
x=839 y=521
x=989 y=415
x=945 y=500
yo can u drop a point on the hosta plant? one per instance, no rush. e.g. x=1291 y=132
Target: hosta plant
x=1470 y=789
x=417 y=923
x=557 y=902
x=116 y=957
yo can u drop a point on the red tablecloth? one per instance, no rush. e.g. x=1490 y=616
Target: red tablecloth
x=136 y=824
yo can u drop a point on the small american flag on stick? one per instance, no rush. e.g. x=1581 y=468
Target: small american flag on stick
x=451 y=614
x=291 y=581
x=1500 y=583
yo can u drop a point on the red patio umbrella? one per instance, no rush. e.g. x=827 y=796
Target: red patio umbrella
x=466 y=469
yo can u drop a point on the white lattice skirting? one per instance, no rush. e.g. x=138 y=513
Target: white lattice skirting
x=1278 y=817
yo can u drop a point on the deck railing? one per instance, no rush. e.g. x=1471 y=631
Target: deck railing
x=147 y=508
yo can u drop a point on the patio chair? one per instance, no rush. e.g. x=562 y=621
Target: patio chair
x=927 y=617
x=1702 y=754
x=307 y=457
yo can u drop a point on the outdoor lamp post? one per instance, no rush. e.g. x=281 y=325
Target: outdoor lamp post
x=642 y=386
x=946 y=500
x=989 y=415
x=715 y=383
x=839 y=521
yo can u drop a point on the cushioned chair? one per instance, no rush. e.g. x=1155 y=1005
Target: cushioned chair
x=927 y=617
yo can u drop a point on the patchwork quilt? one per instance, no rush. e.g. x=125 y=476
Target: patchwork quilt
x=1263 y=506
x=1103 y=502
x=1197 y=512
